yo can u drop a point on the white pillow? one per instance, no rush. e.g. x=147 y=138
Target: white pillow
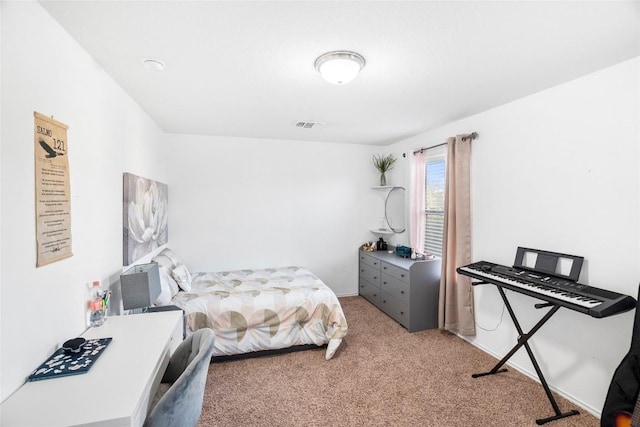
x=183 y=277
x=171 y=256
x=167 y=284
x=163 y=260
x=165 y=296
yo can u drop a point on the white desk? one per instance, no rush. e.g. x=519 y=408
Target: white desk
x=117 y=389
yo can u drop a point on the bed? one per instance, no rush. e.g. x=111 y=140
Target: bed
x=254 y=310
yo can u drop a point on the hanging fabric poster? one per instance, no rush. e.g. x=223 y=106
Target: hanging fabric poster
x=53 y=195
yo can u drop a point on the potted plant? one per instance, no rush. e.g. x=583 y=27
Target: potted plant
x=383 y=164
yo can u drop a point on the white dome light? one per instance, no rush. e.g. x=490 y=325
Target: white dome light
x=339 y=67
x=154 y=64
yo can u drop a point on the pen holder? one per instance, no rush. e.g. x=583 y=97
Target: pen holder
x=97 y=304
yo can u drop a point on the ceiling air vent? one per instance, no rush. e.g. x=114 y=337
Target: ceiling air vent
x=307 y=125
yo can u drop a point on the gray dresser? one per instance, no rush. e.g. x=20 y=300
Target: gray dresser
x=404 y=289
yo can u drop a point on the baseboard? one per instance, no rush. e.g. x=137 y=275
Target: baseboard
x=593 y=411
x=347 y=295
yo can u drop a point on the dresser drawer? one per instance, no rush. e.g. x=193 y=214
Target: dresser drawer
x=395 y=308
x=397 y=272
x=370 y=292
x=370 y=274
x=396 y=288
x=369 y=260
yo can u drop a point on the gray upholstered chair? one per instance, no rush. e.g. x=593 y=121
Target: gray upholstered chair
x=186 y=374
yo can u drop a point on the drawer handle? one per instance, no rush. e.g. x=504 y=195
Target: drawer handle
x=375 y=277
x=402 y=275
x=384 y=301
x=384 y=268
x=402 y=313
x=384 y=283
x=402 y=292
x=375 y=295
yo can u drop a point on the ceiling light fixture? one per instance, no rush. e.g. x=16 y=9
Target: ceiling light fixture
x=339 y=67
x=153 y=64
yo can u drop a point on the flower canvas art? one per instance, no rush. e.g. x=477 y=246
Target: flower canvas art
x=145 y=220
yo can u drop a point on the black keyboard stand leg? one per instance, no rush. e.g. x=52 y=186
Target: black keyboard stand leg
x=522 y=342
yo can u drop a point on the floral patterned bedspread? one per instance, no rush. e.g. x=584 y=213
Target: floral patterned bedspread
x=253 y=310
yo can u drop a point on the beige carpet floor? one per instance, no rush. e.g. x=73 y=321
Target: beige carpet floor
x=381 y=376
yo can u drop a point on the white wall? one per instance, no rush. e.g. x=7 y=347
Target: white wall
x=44 y=70
x=558 y=170
x=249 y=203
x=1 y=204
x=549 y=170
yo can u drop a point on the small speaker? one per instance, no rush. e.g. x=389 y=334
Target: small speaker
x=140 y=286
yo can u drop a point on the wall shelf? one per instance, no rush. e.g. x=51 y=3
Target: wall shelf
x=382 y=232
x=393 y=210
x=385 y=187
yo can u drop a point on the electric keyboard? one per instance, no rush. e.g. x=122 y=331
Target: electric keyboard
x=586 y=299
x=551 y=277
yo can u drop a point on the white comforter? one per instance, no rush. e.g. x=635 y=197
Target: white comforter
x=252 y=310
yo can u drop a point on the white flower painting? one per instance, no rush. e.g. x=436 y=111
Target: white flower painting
x=145 y=221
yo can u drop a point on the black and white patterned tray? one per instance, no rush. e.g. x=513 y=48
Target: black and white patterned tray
x=63 y=363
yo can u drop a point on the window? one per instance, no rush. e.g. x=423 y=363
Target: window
x=435 y=170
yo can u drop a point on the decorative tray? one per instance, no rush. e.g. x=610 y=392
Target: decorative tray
x=64 y=362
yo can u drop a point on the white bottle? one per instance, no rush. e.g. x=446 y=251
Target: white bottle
x=96 y=304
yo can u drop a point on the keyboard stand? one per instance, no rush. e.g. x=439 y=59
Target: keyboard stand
x=522 y=341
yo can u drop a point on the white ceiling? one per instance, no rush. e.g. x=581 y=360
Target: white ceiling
x=241 y=68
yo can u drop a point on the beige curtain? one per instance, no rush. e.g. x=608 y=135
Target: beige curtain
x=456 y=296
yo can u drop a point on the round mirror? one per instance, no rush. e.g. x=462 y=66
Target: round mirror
x=394 y=210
